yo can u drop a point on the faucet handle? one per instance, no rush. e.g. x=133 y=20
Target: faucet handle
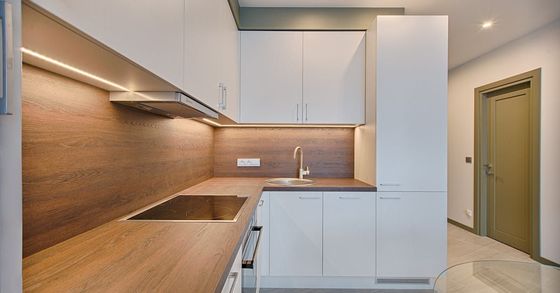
x=306 y=171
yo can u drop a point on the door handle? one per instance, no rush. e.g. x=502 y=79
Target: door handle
x=489 y=169
x=6 y=54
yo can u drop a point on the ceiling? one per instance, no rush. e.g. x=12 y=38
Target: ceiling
x=513 y=19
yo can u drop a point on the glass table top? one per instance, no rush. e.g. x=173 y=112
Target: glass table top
x=499 y=276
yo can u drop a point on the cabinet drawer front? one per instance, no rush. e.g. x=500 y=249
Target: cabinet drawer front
x=296 y=233
x=349 y=234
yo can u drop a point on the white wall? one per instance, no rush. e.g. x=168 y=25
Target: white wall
x=538 y=49
x=10 y=175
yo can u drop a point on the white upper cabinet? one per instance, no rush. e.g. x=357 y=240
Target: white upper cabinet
x=150 y=35
x=302 y=77
x=271 y=82
x=334 y=77
x=212 y=55
x=411 y=98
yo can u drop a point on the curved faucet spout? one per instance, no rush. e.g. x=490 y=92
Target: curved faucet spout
x=301 y=171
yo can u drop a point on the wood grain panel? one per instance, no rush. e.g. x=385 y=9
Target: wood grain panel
x=87 y=161
x=329 y=152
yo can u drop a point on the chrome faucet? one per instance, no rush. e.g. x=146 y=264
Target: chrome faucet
x=301 y=172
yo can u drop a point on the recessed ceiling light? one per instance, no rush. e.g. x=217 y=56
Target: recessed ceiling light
x=487 y=24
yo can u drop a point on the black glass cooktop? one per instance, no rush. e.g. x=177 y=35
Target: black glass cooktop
x=195 y=208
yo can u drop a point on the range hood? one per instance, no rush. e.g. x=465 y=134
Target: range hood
x=56 y=46
x=169 y=104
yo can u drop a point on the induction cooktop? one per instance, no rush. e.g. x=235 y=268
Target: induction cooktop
x=194 y=208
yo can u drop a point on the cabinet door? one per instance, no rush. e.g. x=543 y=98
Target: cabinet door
x=204 y=35
x=411 y=234
x=334 y=77
x=411 y=103
x=349 y=234
x=271 y=84
x=263 y=219
x=296 y=233
x=230 y=64
x=150 y=35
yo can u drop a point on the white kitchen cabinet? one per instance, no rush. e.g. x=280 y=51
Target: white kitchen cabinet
x=411 y=103
x=211 y=61
x=349 y=234
x=271 y=81
x=263 y=219
x=334 y=77
x=233 y=282
x=411 y=234
x=296 y=233
x=150 y=35
x=302 y=77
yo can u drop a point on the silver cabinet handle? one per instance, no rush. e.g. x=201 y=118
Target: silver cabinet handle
x=224 y=98
x=390 y=184
x=309 y=197
x=389 y=197
x=306 y=113
x=349 y=197
x=235 y=276
x=261 y=202
x=250 y=263
x=297 y=112
x=221 y=95
x=6 y=62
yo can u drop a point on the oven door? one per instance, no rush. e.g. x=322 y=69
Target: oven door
x=251 y=272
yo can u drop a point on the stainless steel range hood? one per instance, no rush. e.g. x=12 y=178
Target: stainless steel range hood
x=169 y=104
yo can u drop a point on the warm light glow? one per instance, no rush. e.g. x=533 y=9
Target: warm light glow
x=72 y=68
x=487 y=24
x=279 y=126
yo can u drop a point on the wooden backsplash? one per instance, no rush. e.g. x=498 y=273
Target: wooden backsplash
x=87 y=161
x=329 y=152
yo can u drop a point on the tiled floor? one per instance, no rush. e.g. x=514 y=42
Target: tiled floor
x=462 y=246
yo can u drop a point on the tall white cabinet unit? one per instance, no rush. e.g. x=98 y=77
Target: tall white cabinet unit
x=411 y=146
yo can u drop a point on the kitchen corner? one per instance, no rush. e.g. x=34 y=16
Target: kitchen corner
x=157 y=256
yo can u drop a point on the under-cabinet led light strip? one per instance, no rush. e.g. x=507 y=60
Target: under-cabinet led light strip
x=279 y=126
x=72 y=68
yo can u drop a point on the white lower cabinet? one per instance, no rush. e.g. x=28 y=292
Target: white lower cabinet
x=349 y=234
x=411 y=234
x=296 y=233
x=233 y=281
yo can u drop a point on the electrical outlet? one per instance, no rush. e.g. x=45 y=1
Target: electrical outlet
x=249 y=162
x=469 y=213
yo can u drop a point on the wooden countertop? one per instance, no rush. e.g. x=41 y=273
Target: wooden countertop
x=131 y=256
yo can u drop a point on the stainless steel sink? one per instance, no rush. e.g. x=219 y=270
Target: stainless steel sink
x=290 y=181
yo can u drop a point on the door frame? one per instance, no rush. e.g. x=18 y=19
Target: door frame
x=532 y=77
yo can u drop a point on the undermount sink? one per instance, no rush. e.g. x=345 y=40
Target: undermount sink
x=289 y=181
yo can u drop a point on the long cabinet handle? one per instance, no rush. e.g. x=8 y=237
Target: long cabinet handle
x=349 y=197
x=390 y=184
x=235 y=276
x=7 y=54
x=250 y=263
x=297 y=112
x=224 y=98
x=309 y=197
x=389 y=197
x=306 y=119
